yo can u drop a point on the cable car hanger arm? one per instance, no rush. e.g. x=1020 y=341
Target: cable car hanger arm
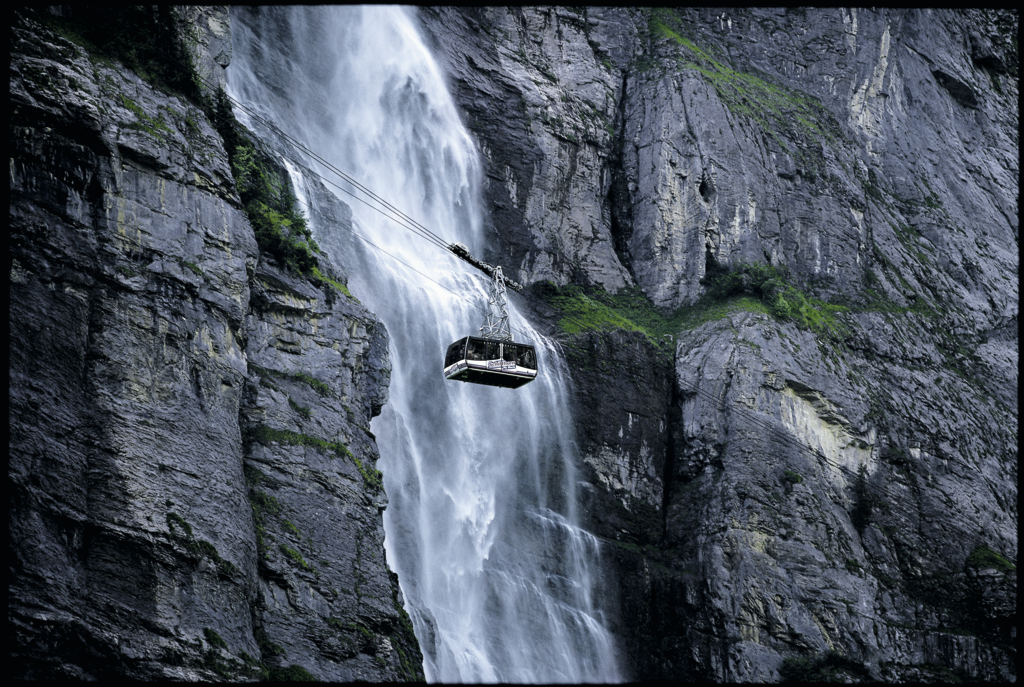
x=460 y=251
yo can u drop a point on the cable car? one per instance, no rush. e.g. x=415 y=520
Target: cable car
x=492 y=358
x=490 y=361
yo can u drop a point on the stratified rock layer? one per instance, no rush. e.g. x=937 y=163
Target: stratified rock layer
x=874 y=155
x=192 y=480
x=192 y=483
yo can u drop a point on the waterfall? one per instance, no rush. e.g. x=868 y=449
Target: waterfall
x=480 y=525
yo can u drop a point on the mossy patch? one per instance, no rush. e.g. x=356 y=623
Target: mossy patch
x=830 y=667
x=754 y=96
x=155 y=127
x=334 y=283
x=784 y=301
x=302 y=410
x=268 y=649
x=295 y=557
x=265 y=435
x=214 y=639
x=745 y=287
x=143 y=38
x=293 y=673
x=267 y=196
x=984 y=556
x=263 y=505
x=180 y=532
x=593 y=309
x=304 y=378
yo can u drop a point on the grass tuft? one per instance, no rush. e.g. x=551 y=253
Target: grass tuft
x=746 y=287
x=986 y=557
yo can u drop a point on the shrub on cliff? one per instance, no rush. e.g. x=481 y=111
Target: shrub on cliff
x=144 y=38
x=267 y=197
x=770 y=284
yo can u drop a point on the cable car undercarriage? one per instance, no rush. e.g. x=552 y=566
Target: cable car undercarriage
x=493 y=358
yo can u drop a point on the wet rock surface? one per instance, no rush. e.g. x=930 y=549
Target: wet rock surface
x=193 y=485
x=192 y=480
x=873 y=154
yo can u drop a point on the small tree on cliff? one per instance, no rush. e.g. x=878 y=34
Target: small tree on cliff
x=861 y=515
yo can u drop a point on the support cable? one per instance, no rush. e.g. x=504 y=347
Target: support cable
x=417 y=228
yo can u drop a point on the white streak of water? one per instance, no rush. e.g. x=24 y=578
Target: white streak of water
x=480 y=524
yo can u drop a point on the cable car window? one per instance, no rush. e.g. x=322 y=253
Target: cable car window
x=454 y=354
x=508 y=352
x=525 y=357
x=476 y=350
x=479 y=349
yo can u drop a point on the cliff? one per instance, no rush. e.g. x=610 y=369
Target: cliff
x=192 y=478
x=818 y=479
x=778 y=247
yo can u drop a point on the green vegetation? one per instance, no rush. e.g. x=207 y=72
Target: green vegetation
x=292 y=673
x=783 y=300
x=586 y=312
x=865 y=503
x=212 y=661
x=306 y=379
x=266 y=435
x=180 y=532
x=831 y=667
x=403 y=639
x=304 y=411
x=214 y=639
x=144 y=38
x=192 y=266
x=338 y=286
x=256 y=669
x=295 y=556
x=754 y=288
x=792 y=477
x=911 y=239
x=774 y=108
x=266 y=195
x=262 y=504
x=593 y=309
x=986 y=557
x=147 y=40
x=852 y=566
x=268 y=649
x=371 y=476
x=154 y=127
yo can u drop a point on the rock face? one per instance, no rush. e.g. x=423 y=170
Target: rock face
x=873 y=154
x=192 y=481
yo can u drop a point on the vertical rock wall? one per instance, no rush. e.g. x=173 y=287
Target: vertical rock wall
x=193 y=491
x=873 y=154
x=192 y=482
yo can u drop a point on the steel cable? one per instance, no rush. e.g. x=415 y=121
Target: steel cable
x=418 y=229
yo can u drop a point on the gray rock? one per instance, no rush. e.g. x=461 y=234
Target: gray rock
x=872 y=154
x=193 y=484
x=174 y=469
x=208 y=30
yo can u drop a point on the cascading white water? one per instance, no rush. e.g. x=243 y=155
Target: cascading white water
x=480 y=524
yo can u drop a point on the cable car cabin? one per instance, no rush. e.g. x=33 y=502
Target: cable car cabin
x=494 y=363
